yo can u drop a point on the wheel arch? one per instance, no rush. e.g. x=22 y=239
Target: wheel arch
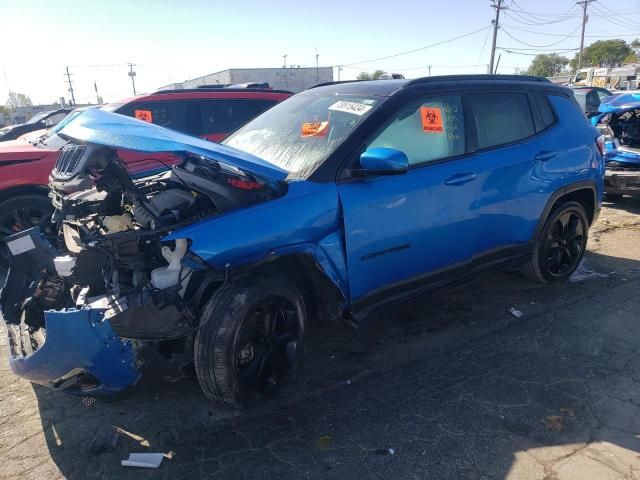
x=33 y=189
x=584 y=192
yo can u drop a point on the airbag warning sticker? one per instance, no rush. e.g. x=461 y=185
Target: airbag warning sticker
x=431 y=119
x=350 y=107
x=314 y=129
x=144 y=115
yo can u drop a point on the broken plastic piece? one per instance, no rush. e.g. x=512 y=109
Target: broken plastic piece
x=143 y=460
x=515 y=312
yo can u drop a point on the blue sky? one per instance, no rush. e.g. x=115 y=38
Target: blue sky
x=175 y=40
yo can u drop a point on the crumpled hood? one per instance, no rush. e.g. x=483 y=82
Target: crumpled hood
x=620 y=103
x=118 y=131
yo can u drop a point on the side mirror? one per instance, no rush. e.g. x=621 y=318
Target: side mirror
x=384 y=161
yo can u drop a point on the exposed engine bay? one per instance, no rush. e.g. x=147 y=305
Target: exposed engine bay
x=624 y=127
x=109 y=254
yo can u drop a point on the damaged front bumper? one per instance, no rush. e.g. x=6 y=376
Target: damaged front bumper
x=75 y=350
x=622 y=182
x=80 y=354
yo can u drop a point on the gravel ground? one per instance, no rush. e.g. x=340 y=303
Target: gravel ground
x=449 y=386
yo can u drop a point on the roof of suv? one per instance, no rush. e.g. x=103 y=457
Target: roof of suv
x=196 y=93
x=386 y=88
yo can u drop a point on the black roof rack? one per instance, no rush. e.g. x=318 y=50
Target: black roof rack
x=337 y=82
x=216 y=89
x=448 y=78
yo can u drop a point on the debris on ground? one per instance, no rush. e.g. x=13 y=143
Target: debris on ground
x=553 y=422
x=515 y=312
x=143 y=460
x=325 y=441
x=584 y=273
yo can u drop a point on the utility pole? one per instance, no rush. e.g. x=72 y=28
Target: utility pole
x=339 y=70
x=284 y=61
x=497 y=4
x=585 y=18
x=95 y=87
x=429 y=67
x=73 y=97
x=317 y=65
x=132 y=74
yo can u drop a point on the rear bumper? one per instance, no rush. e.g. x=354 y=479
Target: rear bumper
x=81 y=354
x=623 y=182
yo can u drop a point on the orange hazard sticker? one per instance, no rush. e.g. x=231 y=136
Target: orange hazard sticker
x=431 y=119
x=314 y=129
x=144 y=115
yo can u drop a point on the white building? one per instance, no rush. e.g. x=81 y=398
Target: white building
x=291 y=78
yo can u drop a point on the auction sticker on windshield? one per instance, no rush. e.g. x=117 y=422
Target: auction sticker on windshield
x=314 y=129
x=350 y=107
x=144 y=115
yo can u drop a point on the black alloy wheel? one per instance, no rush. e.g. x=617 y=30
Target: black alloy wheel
x=250 y=341
x=563 y=246
x=560 y=246
x=267 y=345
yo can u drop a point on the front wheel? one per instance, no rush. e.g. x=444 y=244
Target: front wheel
x=250 y=340
x=560 y=246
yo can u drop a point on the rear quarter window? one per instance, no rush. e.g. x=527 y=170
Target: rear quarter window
x=547 y=117
x=501 y=118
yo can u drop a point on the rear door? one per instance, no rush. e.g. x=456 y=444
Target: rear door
x=519 y=160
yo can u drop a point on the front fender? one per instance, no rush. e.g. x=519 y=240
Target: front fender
x=306 y=220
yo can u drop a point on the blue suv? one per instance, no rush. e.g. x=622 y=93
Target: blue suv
x=337 y=203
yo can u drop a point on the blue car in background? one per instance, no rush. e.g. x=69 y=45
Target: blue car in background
x=619 y=123
x=338 y=203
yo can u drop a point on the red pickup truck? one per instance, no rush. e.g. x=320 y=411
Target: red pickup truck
x=210 y=113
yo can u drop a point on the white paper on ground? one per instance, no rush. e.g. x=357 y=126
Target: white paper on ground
x=144 y=460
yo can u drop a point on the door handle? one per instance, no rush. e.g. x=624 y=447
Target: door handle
x=544 y=156
x=460 y=178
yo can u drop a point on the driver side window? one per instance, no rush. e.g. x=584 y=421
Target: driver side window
x=426 y=129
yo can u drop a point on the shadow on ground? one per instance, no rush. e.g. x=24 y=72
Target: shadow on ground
x=450 y=386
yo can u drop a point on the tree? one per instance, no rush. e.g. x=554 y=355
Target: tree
x=370 y=76
x=634 y=57
x=603 y=53
x=17 y=100
x=547 y=65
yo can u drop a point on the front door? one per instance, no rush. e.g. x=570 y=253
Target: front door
x=401 y=228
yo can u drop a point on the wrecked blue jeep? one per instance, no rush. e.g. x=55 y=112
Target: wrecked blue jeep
x=337 y=203
x=619 y=123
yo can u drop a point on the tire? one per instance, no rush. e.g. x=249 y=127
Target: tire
x=560 y=246
x=21 y=212
x=612 y=197
x=242 y=356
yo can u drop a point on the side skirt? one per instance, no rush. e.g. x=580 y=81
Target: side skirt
x=385 y=298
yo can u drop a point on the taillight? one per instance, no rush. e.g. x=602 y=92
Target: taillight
x=600 y=144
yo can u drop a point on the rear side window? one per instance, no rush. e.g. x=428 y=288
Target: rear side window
x=547 y=118
x=227 y=115
x=501 y=118
x=426 y=129
x=175 y=115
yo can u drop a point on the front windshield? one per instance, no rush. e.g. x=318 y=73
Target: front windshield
x=301 y=132
x=37 y=118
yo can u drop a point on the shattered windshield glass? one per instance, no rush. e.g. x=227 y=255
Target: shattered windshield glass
x=300 y=133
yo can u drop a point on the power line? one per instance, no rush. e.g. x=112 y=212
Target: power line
x=561 y=35
x=617 y=20
x=517 y=9
x=540 y=46
x=510 y=50
x=415 y=50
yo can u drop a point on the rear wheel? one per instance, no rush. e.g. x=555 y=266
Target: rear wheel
x=561 y=245
x=250 y=341
x=20 y=213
